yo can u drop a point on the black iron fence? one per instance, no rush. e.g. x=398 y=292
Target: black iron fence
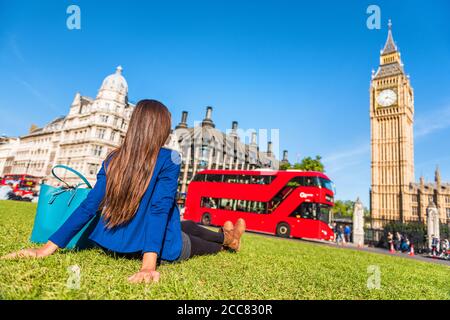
x=376 y=231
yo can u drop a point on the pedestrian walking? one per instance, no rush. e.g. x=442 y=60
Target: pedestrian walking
x=347 y=233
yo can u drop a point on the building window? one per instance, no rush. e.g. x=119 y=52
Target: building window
x=101 y=133
x=415 y=211
x=113 y=135
x=97 y=151
x=104 y=118
x=448 y=213
x=93 y=168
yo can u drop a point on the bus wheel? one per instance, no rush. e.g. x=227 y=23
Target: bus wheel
x=206 y=219
x=283 y=230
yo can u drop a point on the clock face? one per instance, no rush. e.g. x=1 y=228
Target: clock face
x=386 y=98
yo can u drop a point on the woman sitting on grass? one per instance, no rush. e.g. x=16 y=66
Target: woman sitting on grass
x=135 y=190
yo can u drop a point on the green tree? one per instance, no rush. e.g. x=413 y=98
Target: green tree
x=307 y=164
x=310 y=164
x=285 y=165
x=345 y=208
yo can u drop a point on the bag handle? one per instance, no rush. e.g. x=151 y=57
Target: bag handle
x=78 y=174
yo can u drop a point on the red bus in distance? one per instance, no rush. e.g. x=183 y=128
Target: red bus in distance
x=24 y=185
x=285 y=203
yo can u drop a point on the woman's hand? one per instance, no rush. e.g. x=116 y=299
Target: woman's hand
x=145 y=275
x=148 y=271
x=44 y=251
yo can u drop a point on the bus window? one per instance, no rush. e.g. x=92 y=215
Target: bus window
x=327 y=184
x=241 y=205
x=234 y=205
x=261 y=207
x=316 y=211
x=234 y=178
x=295 y=182
x=307 y=210
x=208 y=203
x=304 y=182
x=261 y=180
x=311 y=182
x=231 y=178
x=214 y=178
x=244 y=179
x=226 y=204
x=324 y=213
x=199 y=177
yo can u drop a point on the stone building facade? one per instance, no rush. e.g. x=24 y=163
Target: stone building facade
x=424 y=194
x=81 y=139
x=8 y=146
x=394 y=194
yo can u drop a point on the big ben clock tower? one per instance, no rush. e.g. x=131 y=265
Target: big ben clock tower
x=392 y=141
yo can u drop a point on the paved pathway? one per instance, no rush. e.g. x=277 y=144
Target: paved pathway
x=367 y=249
x=419 y=257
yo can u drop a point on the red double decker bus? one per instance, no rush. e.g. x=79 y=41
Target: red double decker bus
x=285 y=203
x=23 y=184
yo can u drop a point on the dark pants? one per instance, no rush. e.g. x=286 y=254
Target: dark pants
x=203 y=241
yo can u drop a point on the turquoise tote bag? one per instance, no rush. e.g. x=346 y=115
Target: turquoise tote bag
x=56 y=204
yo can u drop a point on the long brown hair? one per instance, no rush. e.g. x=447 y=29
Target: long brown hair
x=131 y=165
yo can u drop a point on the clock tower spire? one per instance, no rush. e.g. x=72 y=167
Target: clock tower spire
x=392 y=141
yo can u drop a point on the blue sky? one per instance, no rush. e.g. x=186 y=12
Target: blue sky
x=302 y=67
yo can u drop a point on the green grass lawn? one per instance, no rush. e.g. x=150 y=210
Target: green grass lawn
x=266 y=268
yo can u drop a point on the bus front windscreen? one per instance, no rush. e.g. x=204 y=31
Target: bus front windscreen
x=327 y=184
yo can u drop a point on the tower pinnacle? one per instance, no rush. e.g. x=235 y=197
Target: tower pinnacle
x=390 y=46
x=437 y=176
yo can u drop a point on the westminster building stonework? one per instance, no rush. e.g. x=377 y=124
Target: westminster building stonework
x=394 y=194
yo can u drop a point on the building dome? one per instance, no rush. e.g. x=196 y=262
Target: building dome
x=114 y=87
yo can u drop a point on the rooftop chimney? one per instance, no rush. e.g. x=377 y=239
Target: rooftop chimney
x=285 y=155
x=208 y=120
x=437 y=176
x=183 y=122
x=234 y=126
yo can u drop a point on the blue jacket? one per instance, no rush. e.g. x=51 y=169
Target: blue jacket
x=156 y=225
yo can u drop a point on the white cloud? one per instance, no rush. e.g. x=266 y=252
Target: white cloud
x=437 y=120
x=15 y=49
x=41 y=97
x=341 y=160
